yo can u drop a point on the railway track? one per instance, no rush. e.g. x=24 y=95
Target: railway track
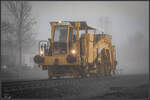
x=61 y=88
x=45 y=87
x=17 y=89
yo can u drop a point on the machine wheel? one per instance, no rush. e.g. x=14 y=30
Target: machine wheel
x=102 y=70
x=109 y=72
x=113 y=72
x=50 y=73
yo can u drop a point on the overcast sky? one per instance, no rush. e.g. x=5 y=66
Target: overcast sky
x=127 y=22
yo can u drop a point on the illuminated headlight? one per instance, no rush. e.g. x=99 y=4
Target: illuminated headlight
x=59 y=21
x=41 y=52
x=73 y=51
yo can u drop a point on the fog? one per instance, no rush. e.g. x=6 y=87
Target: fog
x=127 y=22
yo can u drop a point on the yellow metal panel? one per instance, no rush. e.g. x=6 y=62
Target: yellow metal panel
x=90 y=48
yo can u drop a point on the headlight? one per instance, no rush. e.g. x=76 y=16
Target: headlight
x=41 y=52
x=73 y=51
x=59 y=21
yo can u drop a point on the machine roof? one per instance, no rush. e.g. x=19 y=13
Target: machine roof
x=83 y=25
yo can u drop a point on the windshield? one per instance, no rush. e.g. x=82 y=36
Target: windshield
x=60 y=33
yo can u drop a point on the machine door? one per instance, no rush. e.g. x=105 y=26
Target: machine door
x=44 y=48
x=60 y=39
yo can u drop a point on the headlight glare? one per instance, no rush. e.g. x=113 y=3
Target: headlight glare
x=73 y=51
x=41 y=52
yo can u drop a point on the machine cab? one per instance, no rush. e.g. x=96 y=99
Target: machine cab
x=62 y=37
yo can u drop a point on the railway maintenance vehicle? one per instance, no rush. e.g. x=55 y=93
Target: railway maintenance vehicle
x=76 y=49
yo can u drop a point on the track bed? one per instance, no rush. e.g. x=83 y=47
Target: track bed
x=91 y=88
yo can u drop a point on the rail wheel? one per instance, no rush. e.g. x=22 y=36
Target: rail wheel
x=50 y=73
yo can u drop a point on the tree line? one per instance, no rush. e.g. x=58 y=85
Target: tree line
x=17 y=28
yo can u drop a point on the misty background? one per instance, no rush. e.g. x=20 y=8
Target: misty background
x=127 y=22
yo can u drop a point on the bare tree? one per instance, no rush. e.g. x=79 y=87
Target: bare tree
x=20 y=24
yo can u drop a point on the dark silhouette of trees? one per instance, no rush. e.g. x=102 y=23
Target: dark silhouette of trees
x=19 y=25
